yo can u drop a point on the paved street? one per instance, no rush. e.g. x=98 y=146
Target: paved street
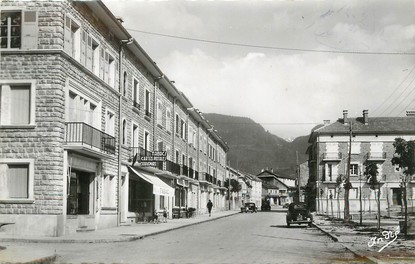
x=242 y=238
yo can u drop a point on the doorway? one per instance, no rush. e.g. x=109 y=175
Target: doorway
x=396 y=196
x=79 y=193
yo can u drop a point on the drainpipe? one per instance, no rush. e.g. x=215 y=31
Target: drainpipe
x=120 y=82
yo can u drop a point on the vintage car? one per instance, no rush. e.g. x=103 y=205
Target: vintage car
x=265 y=206
x=249 y=207
x=298 y=214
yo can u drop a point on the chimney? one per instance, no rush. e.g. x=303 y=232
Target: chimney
x=326 y=122
x=410 y=112
x=365 y=117
x=345 y=116
x=119 y=19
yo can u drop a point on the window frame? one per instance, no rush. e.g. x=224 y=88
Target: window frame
x=107 y=110
x=30 y=184
x=32 y=104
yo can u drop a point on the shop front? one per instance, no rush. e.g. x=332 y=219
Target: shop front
x=147 y=194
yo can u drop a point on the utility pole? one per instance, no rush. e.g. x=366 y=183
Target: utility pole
x=347 y=183
x=298 y=178
x=360 y=198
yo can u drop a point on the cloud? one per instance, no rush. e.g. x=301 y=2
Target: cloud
x=269 y=89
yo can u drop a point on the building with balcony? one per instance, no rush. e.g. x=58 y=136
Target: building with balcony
x=92 y=133
x=371 y=142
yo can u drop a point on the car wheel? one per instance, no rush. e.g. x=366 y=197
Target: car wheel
x=310 y=224
x=288 y=224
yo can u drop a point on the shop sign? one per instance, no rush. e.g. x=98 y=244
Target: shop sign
x=156 y=156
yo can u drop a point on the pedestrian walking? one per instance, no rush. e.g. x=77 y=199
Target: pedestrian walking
x=209 y=207
x=165 y=215
x=155 y=217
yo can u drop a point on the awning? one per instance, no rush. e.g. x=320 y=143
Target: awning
x=159 y=187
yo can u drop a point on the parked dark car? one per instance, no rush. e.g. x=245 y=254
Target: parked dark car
x=265 y=206
x=249 y=207
x=285 y=205
x=298 y=213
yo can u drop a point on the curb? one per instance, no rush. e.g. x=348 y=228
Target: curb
x=335 y=239
x=187 y=225
x=114 y=240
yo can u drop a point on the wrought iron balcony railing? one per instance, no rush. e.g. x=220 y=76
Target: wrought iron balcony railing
x=86 y=135
x=172 y=167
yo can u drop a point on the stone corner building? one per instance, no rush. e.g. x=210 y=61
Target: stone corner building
x=372 y=141
x=80 y=101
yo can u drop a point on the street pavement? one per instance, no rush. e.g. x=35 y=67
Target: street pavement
x=232 y=238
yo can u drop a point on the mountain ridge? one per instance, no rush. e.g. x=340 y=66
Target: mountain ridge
x=252 y=148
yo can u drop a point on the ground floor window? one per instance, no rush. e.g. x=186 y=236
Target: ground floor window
x=16 y=179
x=161 y=202
x=79 y=194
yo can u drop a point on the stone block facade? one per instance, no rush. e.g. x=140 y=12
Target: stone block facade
x=78 y=101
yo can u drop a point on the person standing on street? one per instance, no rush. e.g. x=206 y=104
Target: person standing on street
x=209 y=207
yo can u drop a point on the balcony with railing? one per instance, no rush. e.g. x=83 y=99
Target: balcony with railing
x=332 y=156
x=185 y=170
x=376 y=156
x=140 y=152
x=87 y=139
x=172 y=167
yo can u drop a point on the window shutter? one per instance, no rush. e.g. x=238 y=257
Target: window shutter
x=84 y=39
x=101 y=63
x=68 y=36
x=29 y=30
x=89 y=53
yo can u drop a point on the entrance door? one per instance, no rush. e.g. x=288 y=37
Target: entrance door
x=79 y=195
x=396 y=196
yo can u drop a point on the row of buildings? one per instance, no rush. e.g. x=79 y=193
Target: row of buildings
x=371 y=142
x=92 y=133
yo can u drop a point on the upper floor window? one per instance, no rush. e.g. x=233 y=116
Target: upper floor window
x=134 y=139
x=124 y=86
x=72 y=43
x=168 y=119
x=147 y=104
x=18 y=31
x=124 y=131
x=17 y=103
x=354 y=169
x=177 y=124
x=136 y=90
x=159 y=113
x=107 y=70
x=89 y=52
x=110 y=123
x=82 y=109
x=183 y=129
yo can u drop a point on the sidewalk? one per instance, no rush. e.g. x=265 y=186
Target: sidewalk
x=110 y=235
x=357 y=239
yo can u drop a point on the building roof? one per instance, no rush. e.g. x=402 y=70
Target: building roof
x=375 y=125
x=270 y=173
x=269 y=186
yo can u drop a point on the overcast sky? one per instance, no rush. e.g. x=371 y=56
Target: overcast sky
x=287 y=90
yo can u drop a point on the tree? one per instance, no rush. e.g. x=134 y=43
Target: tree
x=235 y=186
x=405 y=159
x=371 y=172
